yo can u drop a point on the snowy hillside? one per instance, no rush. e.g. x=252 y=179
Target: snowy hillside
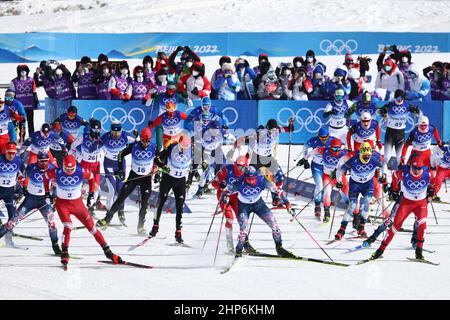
x=120 y=16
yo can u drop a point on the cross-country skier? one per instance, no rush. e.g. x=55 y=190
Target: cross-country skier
x=41 y=140
x=7 y=116
x=442 y=167
x=336 y=111
x=68 y=202
x=114 y=141
x=11 y=168
x=223 y=182
x=55 y=148
x=175 y=162
x=331 y=154
x=249 y=188
x=365 y=104
x=71 y=122
x=416 y=183
x=420 y=139
x=142 y=155
x=366 y=129
x=35 y=200
x=17 y=128
x=363 y=167
x=396 y=112
x=321 y=140
x=88 y=148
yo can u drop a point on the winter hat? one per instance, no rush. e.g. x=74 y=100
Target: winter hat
x=224 y=59
x=136 y=69
x=102 y=57
x=198 y=66
x=85 y=60
x=147 y=59
x=22 y=67
x=124 y=64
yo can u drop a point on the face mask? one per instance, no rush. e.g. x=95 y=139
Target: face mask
x=162 y=78
x=124 y=71
x=241 y=66
x=148 y=66
x=318 y=76
x=86 y=69
x=139 y=74
x=23 y=73
x=404 y=59
x=287 y=72
x=163 y=61
x=59 y=72
x=105 y=71
x=309 y=59
x=298 y=64
x=189 y=64
x=195 y=73
x=387 y=68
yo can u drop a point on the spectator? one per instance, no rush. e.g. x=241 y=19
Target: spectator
x=119 y=84
x=419 y=86
x=298 y=63
x=267 y=83
x=25 y=89
x=319 y=83
x=309 y=63
x=445 y=89
x=182 y=68
x=139 y=86
x=227 y=83
x=17 y=126
x=389 y=77
x=84 y=77
x=262 y=58
x=217 y=74
x=195 y=84
x=161 y=80
x=356 y=74
x=63 y=84
x=403 y=63
x=246 y=75
x=285 y=75
x=149 y=73
x=339 y=81
x=102 y=82
x=300 y=86
x=435 y=74
x=44 y=77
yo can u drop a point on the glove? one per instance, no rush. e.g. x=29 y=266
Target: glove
x=223 y=185
x=441 y=145
x=49 y=199
x=225 y=198
x=65 y=153
x=339 y=184
x=386 y=188
x=204 y=165
x=184 y=95
x=333 y=175
x=165 y=169
x=382 y=179
x=394 y=194
x=119 y=174
x=303 y=162
x=157 y=177
x=135 y=133
x=430 y=193
x=149 y=123
x=90 y=200
x=227 y=74
x=291 y=124
x=179 y=48
x=402 y=160
x=379 y=145
x=413 y=108
x=195 y=91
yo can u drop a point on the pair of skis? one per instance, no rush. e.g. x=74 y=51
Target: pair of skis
x=409 y=259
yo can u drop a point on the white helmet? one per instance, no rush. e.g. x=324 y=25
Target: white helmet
x=423 y=124
x=365 y=116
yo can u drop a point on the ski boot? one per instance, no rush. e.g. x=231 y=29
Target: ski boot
x=197 y=175
x=99 y=205
x=64 y=255
x=361 y=231
x=437 y=199
x=9 y=243
x=111 y=256
x=178 y=237
x=56 y=248
x=199 y=193
x=122 y=217
x=419 y=254
x=326 y=216
x=282 y=252
x=141 y=229
x=105 y=221
x=238 y=253
x=356 y=220
x=317 y=210
x=229 y=236
x=368 y=241
x=154 y=230
x=340 y=234
x=376 y=254
x=248 y=247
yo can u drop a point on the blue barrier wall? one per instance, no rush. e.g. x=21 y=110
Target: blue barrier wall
x=23 y=47
x=241 y=114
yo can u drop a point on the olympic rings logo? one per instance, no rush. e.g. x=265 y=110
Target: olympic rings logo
x=69 y=181
x=140 y=89
x=116 y=143
x=364 y=168
x=142 y=155
x=8 y=167
x=183 y=158
x=22 y=88
x=70 y=124
x=338 y=46
x=134 y=117
x=38 y=177
x=4 y=116
x=423 y=137
x=251 y=191
x=43 y=143
x=365 y=133
x=166 y=100
x=311 y=122
x=415 y=185
x=398 y=109
x=231 y=180
x=121 y=85
x=331 y=160
x=171 y=121
x=235 y=115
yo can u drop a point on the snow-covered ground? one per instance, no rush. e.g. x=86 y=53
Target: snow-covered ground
x=186 y=273
x=224 y=16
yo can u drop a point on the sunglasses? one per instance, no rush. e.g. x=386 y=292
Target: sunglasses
x=8 y=98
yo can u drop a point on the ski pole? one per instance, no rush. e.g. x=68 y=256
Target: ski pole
x=309 y=234
x=218 y=239
x=292 y=219
x=251 y=223
x=210 y=226
x=434 y=212
x=334 y=213
x=289 y=155
x=300 y=174
x=445 y=181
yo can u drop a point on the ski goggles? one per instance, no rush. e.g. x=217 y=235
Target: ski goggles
x=71 y=115
x=398 y=99
x=9 y=98
x=336 y=149
x=324 y=138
